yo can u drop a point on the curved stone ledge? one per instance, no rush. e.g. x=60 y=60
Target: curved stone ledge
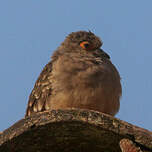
x=72 y=131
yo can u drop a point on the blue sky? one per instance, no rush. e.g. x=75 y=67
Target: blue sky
x=31 y=30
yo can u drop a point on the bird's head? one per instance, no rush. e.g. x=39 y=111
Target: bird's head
x=83 y=41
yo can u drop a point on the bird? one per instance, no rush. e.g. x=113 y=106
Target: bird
x=79 y=75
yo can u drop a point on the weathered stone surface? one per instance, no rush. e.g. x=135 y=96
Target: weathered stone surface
x=72 y=131
x=127 y=145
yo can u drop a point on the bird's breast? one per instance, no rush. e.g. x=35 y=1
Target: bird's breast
x=85 y=83
x=72 y=73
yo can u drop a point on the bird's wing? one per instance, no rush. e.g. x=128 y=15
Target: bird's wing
x=40 y=92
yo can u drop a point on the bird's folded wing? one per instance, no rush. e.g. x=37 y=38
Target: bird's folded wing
x=40 y=92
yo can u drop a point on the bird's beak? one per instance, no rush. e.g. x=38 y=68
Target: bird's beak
x=104 y=54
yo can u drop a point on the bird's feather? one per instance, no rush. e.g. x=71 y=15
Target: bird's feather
x=40 y=92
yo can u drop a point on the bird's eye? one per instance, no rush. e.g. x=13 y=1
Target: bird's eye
x=86 y=45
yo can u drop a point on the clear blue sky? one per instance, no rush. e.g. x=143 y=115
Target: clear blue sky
x=31 y=29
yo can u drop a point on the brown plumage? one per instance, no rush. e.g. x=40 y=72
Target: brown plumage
x=79 y=75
